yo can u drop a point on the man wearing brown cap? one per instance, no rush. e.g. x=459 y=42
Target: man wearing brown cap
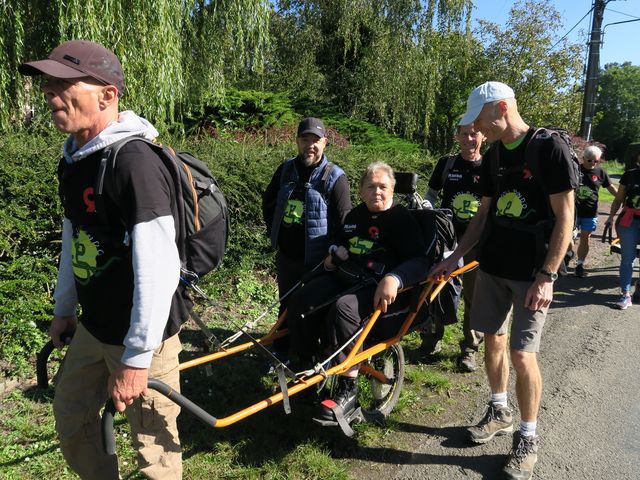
x=128 y=328
x=525 y=221
x=303 y=206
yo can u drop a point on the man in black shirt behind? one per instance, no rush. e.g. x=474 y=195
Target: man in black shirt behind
x=456 y=179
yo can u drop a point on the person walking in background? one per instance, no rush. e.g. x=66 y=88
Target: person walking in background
x=456 y=180
x=525 y=224
x=131 y=307
x=628 y=228
x=592 y=178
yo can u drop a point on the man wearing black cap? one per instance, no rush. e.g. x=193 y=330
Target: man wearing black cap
x=304 y=205
x=130 y=315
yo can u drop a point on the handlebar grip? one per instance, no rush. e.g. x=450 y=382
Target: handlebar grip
x=43 y=357
x=41 y=364
x=106 y=424
x=108 y=435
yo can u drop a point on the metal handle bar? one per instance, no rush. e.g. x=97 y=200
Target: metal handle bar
x=108 y=435
x=43 y=357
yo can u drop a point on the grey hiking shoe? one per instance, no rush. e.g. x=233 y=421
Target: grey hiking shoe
x=522 y=458
x=468 y=361
x=496 y=421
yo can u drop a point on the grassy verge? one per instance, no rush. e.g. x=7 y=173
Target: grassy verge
x=614 y=169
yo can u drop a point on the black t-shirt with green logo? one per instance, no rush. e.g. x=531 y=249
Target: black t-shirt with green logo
x=587 y=192
x=386 y=241
x=460 y=192
x=521 y=199
x=102 y=262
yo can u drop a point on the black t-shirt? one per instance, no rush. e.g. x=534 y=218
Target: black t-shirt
x=291 y=236
x=519 y=198
x=631 y=181
x=101 y=256
x=460 y=192
x=387 y=241
x=587 y=192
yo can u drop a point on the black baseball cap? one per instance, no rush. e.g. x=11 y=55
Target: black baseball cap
x=77 y=59
x=311 y=125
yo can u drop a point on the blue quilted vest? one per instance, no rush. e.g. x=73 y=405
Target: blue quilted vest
x=316 y=221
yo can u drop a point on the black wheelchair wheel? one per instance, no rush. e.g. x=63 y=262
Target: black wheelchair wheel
x=378 y=397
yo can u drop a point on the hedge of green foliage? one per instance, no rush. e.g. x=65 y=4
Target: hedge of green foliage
x=31 y=220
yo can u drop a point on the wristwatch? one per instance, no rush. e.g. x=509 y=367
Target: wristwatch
x=552 y=275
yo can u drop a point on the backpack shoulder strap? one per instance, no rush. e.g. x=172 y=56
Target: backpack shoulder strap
x=532 y=156
x=451 y=159
x=326 y=175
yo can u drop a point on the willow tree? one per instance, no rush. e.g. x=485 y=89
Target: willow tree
x=12 y=101
x=173 y=52
x=375 y=59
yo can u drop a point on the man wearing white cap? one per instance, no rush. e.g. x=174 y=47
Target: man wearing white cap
x=523 y=228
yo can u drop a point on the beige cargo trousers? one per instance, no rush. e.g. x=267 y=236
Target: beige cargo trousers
x=81 y=392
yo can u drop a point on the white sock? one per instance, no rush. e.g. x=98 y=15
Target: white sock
x=499 y=399
x=579 y=262
x=528 y=429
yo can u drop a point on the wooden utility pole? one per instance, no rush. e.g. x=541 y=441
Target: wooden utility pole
x=593 y=70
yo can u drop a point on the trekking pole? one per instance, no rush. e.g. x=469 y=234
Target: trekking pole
x=242 y=331
x=607 y=233
x=251 y=324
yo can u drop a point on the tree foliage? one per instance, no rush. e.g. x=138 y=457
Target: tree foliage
x=377 y=60
x=405 y=65
x=174 y=53
x=545 y=79
x=617 y=119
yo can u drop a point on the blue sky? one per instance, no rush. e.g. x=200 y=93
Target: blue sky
x=621 y=42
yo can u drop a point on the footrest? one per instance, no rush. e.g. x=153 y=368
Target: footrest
x=341 y=420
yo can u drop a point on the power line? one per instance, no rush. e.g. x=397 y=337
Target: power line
x=572 y=28
x=623 y=13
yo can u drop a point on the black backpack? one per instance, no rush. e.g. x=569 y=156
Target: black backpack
x=202 y=215
x=440 y=236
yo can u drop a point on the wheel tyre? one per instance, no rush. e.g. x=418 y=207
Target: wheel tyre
x=378 y=399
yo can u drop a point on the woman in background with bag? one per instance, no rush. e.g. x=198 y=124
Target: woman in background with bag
x=628 y=230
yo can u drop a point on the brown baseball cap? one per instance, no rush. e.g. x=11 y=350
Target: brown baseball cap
x=77 y=59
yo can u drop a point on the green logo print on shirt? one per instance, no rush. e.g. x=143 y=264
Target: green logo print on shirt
x=465 y=206
x=511 y=205
x=293 y=212
x=360 y=246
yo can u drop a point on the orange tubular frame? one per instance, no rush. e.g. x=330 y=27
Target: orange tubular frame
x=430 y=288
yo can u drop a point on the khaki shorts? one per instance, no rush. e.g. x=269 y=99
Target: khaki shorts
x=493 y=299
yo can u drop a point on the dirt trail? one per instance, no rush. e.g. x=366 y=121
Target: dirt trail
x=590 y=415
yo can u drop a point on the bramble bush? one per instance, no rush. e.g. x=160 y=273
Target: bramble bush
x=31 y=221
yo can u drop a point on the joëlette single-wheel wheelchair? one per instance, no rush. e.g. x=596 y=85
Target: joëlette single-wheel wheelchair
x=381 y=361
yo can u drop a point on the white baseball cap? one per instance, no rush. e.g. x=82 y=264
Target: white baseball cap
x=485 y=93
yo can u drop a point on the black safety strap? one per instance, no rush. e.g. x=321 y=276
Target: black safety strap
x=338 y=414
x=282 y=381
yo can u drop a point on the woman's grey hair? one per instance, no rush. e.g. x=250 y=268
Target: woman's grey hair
x=374 y=167
x=592 y=152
